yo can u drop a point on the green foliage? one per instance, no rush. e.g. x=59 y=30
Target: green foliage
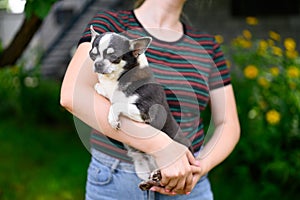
x=38 y=7
x=266 y=79
x=3 y=4
x=27 y=97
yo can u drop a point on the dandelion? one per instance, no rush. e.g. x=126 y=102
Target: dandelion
x=273 y=117
x=242 y=42
x=252 y=21
x=265 y=83
x=262 y=44
x=219 y=39
x=289 y=44
x=277 y=51
x=274 y=71
x=262 y=47
x=291 y=54
x=271 y=43
x=274 y=36
x=251 y=71
x=293 y=72
x=247 y=34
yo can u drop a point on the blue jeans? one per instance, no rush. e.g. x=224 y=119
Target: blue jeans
x=111 y=179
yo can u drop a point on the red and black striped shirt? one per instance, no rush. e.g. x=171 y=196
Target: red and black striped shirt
x=187 y=68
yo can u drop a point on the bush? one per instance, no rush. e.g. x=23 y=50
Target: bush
x=27 y=97
x=266 y=77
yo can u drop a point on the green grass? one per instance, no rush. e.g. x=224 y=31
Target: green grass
x=39 y=162
x=47 y=162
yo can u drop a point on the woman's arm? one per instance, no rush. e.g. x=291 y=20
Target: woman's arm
x=79 y=97
x=227 y=129
x=222 y=141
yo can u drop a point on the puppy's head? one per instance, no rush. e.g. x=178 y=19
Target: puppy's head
x=113 y=53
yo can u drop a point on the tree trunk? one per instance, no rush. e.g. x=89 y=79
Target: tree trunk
x=14 y=51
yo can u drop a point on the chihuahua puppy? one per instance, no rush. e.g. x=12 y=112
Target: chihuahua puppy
x=127 y=81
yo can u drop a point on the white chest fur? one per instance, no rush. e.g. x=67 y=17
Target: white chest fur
x=120 y=103
x=106 y=86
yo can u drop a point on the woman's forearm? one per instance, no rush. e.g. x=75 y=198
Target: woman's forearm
x=227 y=128
x=219 y=147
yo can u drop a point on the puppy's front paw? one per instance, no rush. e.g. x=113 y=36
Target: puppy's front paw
x=100 y=90
x=113 y=120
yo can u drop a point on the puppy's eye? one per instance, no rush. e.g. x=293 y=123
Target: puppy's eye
x=114 y=59
x=93 y=56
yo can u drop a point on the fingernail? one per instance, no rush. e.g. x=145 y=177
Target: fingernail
x=188 y=193
x=152 y=189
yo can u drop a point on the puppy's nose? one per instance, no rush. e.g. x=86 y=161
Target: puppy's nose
x=99 y=67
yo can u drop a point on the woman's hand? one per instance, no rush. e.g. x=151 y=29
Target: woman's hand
x=179 y=169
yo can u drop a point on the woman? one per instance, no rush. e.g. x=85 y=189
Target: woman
x=176 y=50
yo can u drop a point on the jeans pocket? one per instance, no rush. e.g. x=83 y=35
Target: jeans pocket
x=98 y=173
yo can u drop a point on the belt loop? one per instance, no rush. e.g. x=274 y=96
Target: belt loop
x=115 y=165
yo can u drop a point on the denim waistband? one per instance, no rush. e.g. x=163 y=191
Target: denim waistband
x=112 y=162
x=115 y=163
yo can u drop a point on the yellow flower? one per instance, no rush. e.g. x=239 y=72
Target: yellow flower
x=262 y=47
x=290 y=44
x=274 y=36
x=263 y=82
x=252 y=21
x=247 y=34
x=293 y=72
x=273 y=117
x=277 y=51
x=219 y=39
x=271 y=43
x=228 y=63
x=274 y=71
x=263 y=44
x=291 y=54
x=251 y=71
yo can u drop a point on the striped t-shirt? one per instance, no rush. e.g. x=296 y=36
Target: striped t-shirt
x=187 y=68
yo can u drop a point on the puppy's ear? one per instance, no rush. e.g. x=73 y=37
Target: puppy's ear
x=94 y=33
x=140 y=45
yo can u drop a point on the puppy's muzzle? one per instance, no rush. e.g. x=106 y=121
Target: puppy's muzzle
x=102 y=68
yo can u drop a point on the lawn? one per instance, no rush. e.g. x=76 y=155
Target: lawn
x=41 y=162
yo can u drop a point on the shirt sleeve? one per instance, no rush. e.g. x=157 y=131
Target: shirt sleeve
x=220 y=73
x=104 y=21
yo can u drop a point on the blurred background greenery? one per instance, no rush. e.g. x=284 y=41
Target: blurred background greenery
x=41 y=155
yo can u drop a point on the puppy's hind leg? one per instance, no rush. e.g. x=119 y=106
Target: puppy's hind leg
x=113 y=116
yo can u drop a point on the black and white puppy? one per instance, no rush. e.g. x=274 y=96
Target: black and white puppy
x=127 y=81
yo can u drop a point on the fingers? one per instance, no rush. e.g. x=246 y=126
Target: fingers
x=170 y=186
x=187 y=188
x=192 y=159
x=196 y=169
x=182 y=185
x=162 y=191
